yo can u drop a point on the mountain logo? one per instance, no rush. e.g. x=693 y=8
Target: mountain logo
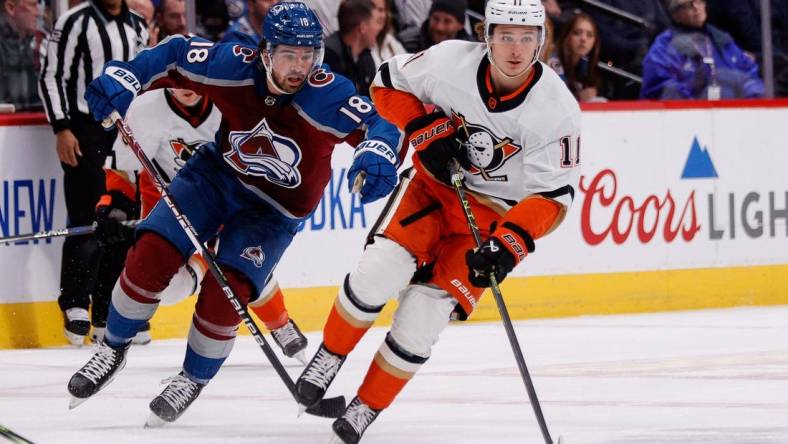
x=699 y=164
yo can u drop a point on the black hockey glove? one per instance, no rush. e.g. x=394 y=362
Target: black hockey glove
x=434 y=139
x=492 y=256
x=112 y=209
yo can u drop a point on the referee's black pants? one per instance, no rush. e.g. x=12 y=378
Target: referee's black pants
x=83 y=184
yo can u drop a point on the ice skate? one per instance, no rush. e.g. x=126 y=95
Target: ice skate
x=351 y=426
x=97 y=373
x=174 y=400
x=292 y=342
x=317 y=376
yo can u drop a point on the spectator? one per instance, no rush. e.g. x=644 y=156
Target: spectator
x=625 y=43
x=248 y=29
x=171 y=18
x=18 y=58
x=347 y=51
x=386 y=45
x=77 y=52
x=578 y=53
x=446 y=21
x=695 y=60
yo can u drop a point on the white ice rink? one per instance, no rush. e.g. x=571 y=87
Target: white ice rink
x=717 y=376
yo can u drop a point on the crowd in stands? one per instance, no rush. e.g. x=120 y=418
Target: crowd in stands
x=650 y=49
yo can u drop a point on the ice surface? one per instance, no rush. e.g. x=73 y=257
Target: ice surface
x=716 y=376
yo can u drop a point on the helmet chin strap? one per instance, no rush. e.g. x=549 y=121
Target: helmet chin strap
x=269 y=69
x=500 y=71
x=525 y=70
x=268 y=64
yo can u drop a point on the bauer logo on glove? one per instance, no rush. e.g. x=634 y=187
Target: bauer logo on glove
x=435 y=140
x=376 y=164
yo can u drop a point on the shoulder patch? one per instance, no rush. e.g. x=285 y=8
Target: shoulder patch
x=248 y=54
x=321 y=78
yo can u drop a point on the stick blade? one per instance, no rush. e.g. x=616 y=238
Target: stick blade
x=329 y=407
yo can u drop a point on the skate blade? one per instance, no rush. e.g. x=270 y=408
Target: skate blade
x=301 y=409
x=301 y=357
x=74 y=402
x=154 y=422
x=560 y=440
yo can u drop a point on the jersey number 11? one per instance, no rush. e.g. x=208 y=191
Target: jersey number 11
x=570 y=152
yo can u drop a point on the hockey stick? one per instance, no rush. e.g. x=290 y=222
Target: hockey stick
x=13 y=437
x=456 y=180
x=331 y=407
x=63 y=232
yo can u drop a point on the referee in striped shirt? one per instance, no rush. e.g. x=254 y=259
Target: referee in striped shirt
x=84 y=38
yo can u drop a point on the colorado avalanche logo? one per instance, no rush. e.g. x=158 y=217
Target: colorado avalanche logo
x=485 y=151
x=262 y=152
x=254 y=254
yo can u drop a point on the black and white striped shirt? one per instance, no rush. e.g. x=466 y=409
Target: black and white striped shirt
x=85 y=38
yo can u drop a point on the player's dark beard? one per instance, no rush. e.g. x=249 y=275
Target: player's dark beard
x=281 y=81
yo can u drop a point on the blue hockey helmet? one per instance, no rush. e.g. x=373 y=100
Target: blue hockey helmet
x=294 y=24
x=290 y=24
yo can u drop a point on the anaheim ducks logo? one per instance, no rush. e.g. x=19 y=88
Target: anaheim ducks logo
x=183 y=150
x=485 y=151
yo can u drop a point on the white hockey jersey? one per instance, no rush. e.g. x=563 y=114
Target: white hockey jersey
x=167 y=133
x=521 y=144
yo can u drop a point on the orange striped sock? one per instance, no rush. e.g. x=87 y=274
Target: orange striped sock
x=273 y=312
x=341 y=333
x=380 y=386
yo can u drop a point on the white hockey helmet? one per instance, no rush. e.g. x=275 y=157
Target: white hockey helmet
x=515 y=12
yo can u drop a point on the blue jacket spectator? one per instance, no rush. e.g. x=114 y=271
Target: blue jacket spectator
x=694 y=60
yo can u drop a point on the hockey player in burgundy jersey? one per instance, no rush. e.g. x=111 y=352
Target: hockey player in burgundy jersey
x=514 y=128
x=282 y=114
x=170 y=125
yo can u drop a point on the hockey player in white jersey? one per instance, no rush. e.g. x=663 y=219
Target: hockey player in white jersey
x=514 y=128
x=170 y=124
